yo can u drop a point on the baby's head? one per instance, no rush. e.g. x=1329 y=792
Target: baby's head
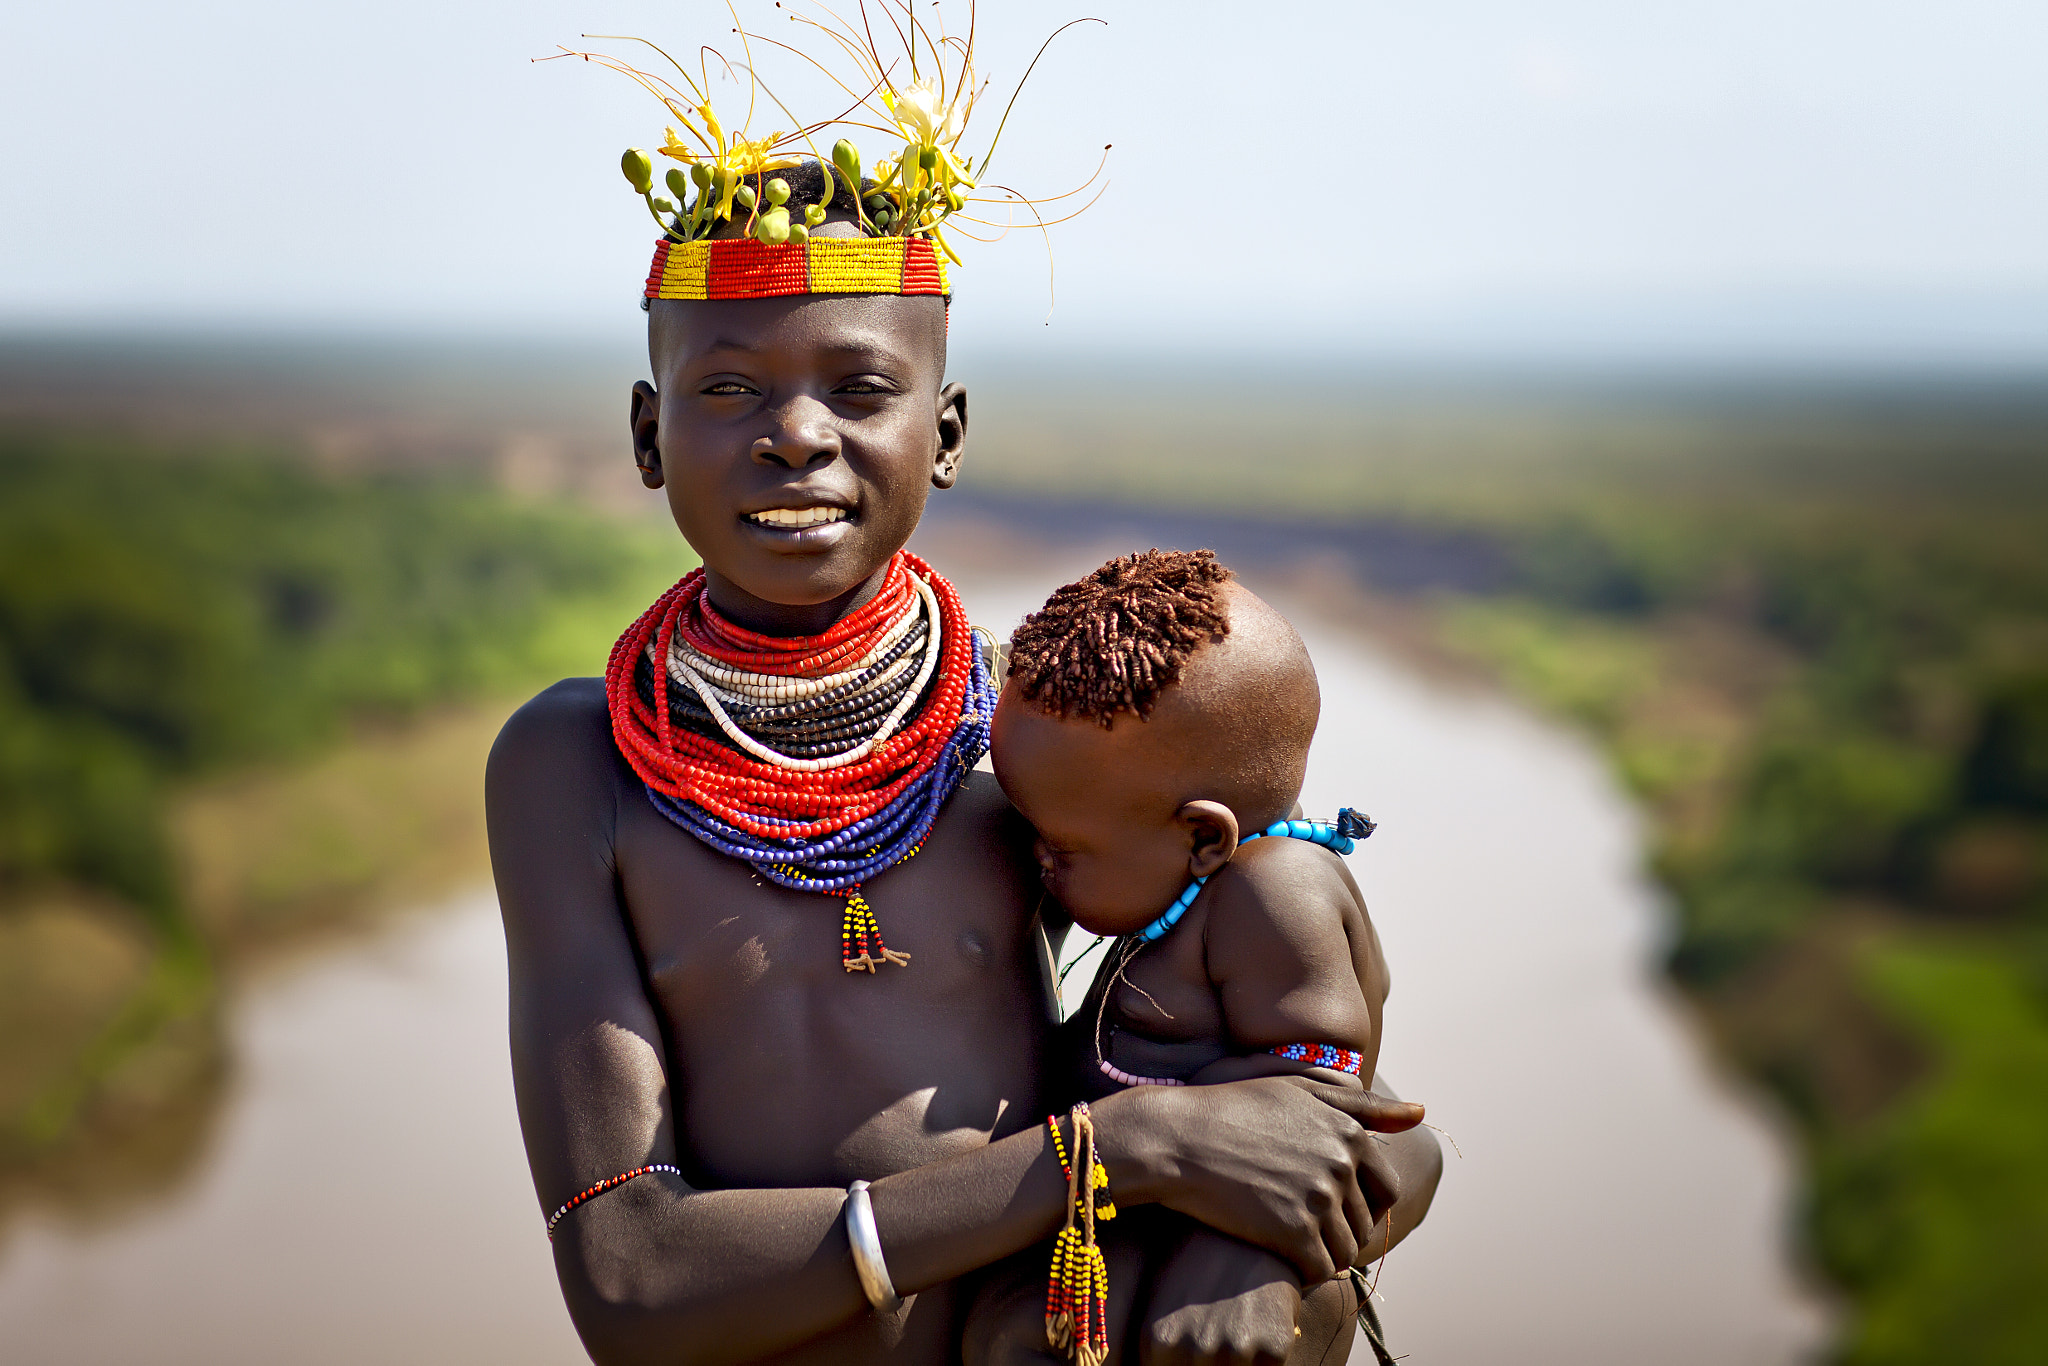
x=1154 y=711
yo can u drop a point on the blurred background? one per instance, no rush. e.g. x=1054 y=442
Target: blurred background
x=1642 y=407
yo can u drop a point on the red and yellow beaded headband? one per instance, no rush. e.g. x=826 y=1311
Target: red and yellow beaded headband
x=904 y=208
x=739 y=268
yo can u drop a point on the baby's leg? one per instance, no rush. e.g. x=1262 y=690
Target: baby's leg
x=1006 y=1321
x=1212 y=1298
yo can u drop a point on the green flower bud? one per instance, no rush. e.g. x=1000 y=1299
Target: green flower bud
x=664 y=203
x=877 y=204
x=773 y=227
x=700 y=175
x=678 y=183
x=928 y=158
x=814 y=214
x=744 y=196
x=778 y=191
x=639 y=169
x=846 y=157
x=799 y=233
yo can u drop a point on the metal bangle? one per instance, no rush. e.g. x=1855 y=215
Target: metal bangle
x=866 y=1241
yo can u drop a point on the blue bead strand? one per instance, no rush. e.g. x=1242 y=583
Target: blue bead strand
x=848 y=857
x=1340 y=836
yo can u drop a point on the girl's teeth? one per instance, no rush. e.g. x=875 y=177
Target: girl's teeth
x=799 y=517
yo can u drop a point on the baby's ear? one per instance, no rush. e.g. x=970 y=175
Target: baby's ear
x=1212 y=835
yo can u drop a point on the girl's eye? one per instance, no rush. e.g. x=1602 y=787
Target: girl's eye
x=727 y=388
x=864 y=387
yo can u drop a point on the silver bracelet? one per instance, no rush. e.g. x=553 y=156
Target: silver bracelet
x=866 y=1241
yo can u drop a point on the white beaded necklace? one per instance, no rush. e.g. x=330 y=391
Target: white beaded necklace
x=684 y=671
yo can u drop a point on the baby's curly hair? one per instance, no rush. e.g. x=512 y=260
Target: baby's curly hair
x=1118 y=638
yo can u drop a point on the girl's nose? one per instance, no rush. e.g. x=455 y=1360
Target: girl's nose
x=802 y=435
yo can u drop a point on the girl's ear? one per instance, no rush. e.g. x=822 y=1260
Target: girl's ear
x=1212 y=835
x=645 y=417
x=952 y=436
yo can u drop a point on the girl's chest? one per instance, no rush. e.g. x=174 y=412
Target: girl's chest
x=784 y=1067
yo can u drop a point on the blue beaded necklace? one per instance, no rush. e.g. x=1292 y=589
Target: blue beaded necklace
x=1340 y=836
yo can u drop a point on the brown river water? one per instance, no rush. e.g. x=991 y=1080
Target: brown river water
x=1616 y=1201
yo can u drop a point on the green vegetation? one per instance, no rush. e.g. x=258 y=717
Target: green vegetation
x=1815 y=642
x=1850 y=759
x=170 y=617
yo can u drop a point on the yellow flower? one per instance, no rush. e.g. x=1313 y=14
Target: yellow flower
x=751 y=158
x=677 y=148
x=922 y=118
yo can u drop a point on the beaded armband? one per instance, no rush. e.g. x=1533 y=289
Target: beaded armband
x=1322 y=1055
x=601 y=1187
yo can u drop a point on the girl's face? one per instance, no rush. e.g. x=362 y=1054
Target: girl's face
x=797 y=439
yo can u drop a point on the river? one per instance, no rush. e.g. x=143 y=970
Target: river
x=366 y=1199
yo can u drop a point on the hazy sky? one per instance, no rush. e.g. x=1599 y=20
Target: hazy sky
x=1805 y=178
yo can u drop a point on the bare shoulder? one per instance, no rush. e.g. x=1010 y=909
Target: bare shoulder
x=564 y=722
x=551 y=794
x=978 y=810
x=1291 y=887
x=1290 y=948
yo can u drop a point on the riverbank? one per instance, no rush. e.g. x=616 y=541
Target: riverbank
x=1832 y=700
x=1523 y=954
x=243 y=704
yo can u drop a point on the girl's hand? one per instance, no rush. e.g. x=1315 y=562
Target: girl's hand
x=1285 y=1163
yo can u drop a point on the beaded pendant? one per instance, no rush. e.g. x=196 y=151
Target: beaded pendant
x=1077 y=1286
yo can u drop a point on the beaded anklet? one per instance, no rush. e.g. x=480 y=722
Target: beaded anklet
x=1077 y=1287
x=601 y=1187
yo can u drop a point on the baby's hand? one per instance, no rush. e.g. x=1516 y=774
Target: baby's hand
x=1219 y=1302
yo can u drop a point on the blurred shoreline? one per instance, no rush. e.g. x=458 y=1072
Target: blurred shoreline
x=1805 y=616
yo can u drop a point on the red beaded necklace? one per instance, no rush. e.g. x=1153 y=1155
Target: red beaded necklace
x=760 y=798
x=818 y=825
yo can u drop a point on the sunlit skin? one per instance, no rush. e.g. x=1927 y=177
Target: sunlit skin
x=1116 y=839
x=812 y=403
x=1277 y=949
x=669 y=1005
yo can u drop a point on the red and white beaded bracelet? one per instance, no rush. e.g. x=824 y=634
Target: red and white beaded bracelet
x=601 y=1187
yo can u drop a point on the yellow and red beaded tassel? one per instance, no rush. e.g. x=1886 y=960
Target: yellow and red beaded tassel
x=860 y=935
x=1077 y=1288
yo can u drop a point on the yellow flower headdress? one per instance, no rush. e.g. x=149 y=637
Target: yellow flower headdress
x=905 y=204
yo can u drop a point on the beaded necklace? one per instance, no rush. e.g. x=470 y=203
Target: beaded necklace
x=1340 y=836
x=820 y=760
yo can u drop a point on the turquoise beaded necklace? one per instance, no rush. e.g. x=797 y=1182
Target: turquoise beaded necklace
x=1339 y=836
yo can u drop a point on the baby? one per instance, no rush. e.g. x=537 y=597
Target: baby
x=1154 y=729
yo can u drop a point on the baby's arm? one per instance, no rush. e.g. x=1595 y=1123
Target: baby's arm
x=1294 y=960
